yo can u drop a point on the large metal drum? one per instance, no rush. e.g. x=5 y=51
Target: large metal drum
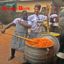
x=41 y=55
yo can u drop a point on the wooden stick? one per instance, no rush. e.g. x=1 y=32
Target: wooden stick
x=27 y=39
x=48 y=18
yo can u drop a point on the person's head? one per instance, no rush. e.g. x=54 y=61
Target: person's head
x=37 y=8
x=24 y=15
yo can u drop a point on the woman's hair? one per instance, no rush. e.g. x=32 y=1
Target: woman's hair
x=24 y=15
x=38 y=6
x=24 y=11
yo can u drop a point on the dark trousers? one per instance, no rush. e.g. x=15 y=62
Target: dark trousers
x=12 y=52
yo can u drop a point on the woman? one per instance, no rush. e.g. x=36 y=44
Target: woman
x=21 y=30
x=35 y=21
x=54 y=27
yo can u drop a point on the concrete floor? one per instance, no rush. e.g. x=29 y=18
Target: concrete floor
x=5 y=49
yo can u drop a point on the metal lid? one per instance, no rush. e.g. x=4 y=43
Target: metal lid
x=60 y=55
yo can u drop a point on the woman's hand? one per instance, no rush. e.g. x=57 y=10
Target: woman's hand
x=3 y=31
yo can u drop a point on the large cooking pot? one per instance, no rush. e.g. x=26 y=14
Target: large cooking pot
x=42 y=55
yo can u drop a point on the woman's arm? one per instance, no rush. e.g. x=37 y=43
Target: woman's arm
x=25 y=24
x=6 y=27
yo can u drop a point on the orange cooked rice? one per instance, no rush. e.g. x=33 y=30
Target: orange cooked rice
x=40 y=43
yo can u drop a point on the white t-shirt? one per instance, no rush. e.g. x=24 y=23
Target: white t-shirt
x=54 y=19
x=53 y=15
x=33 y=20
x=19 y=28
x=15 y=21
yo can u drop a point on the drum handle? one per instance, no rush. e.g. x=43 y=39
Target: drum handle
x=47 y=50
